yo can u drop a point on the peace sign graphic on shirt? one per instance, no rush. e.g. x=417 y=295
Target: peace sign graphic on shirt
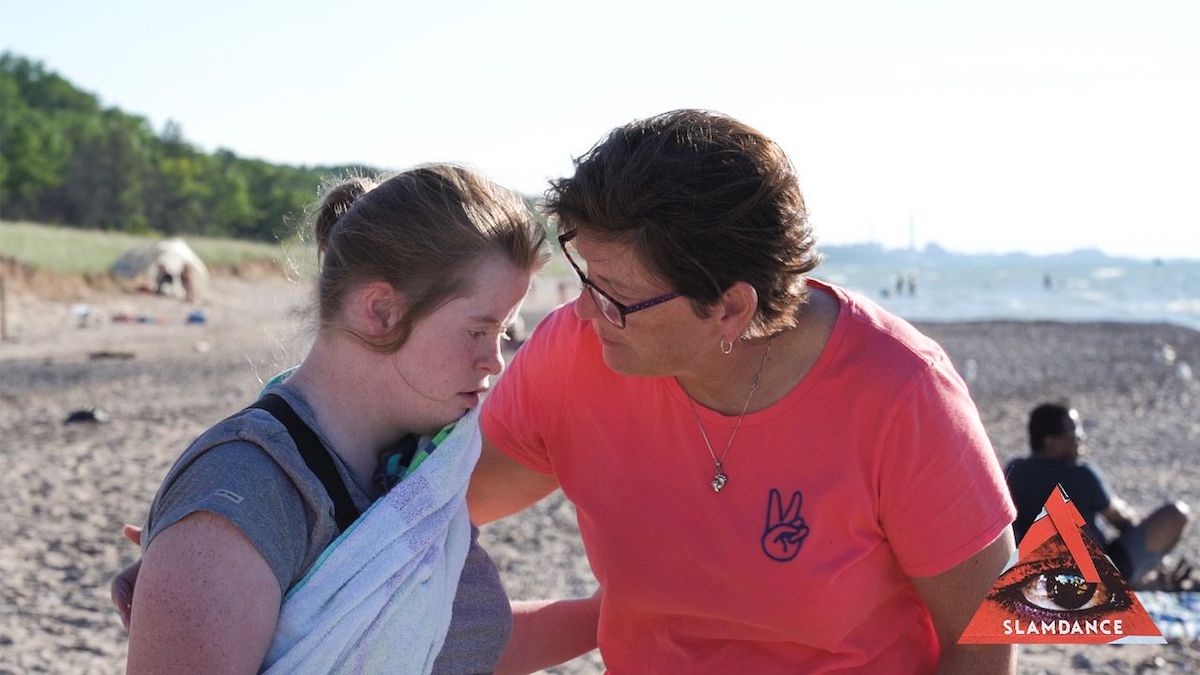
x=786 y=530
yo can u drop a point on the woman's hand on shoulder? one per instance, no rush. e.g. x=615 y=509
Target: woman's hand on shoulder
x=121 y=587
x=207 y=601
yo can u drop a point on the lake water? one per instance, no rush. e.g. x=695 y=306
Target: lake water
x=1129 y=292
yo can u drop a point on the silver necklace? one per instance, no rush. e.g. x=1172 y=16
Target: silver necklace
x=719 y=478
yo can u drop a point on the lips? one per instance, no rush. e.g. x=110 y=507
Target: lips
x=472 y=397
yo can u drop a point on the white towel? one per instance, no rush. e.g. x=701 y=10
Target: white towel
x=378 y=600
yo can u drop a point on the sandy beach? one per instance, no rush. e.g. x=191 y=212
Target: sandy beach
x=67 y=488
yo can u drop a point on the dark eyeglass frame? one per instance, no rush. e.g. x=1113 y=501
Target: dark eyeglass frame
x=603 y=299
x=1078 y=432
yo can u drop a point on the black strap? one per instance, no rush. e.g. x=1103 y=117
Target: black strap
x=315 y=455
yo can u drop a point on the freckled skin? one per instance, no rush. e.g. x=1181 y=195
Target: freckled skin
x=451 y=353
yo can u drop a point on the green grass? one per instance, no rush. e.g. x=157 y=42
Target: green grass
x=68 y=250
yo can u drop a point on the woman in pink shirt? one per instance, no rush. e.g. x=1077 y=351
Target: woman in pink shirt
x=771 y=473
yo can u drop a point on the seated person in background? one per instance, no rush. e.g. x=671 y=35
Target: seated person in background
x=1055 y=438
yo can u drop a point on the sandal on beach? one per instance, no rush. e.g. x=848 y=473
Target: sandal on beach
x=1180 y=577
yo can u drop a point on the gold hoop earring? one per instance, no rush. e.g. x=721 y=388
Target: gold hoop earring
x=726 y=346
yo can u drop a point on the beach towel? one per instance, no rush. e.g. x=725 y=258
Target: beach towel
x=1177 y=614
x=379 y=598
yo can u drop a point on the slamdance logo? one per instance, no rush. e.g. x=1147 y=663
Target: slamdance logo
x=1060 y=588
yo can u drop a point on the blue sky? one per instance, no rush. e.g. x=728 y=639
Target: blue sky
x=1036 y=126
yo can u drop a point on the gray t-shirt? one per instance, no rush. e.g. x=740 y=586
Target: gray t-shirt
x=247 y=470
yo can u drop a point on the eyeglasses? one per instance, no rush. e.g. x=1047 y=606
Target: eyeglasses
x=1074 y=431
x=612 y=310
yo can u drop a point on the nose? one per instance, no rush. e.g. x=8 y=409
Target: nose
x=585 y=306
x=492 y=360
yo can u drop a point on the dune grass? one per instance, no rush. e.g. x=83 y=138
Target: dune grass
x=68 y=250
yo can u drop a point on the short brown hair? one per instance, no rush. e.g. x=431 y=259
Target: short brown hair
x=705 y=201
x=421 y=231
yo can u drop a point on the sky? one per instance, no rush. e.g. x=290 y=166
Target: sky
x=1038 y=126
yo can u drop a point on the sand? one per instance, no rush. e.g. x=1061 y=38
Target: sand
x=65 y=490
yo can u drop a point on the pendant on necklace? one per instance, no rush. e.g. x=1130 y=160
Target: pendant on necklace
x=719 y=481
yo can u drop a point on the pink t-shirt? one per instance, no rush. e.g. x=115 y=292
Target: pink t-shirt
x=874 y=469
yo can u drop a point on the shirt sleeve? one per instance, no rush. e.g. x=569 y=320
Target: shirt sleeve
x=241 y=483
x=521 y=413
x=943 y=497
x=1101 y=494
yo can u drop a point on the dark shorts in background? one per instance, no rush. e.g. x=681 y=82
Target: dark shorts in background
x=1131 y=556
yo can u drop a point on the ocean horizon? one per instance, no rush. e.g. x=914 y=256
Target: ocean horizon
x=991 y=288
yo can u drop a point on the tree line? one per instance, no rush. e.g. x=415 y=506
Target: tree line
x=66 y=159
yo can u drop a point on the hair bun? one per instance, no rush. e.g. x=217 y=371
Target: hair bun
x=337 y=199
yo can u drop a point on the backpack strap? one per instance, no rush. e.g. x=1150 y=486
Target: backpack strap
x=315 y=455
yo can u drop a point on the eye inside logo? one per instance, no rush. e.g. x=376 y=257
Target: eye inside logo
x=1060 y=588
x=1067 y=591
x=1053 y=588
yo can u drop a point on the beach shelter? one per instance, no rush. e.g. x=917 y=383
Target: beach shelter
x=148 y=263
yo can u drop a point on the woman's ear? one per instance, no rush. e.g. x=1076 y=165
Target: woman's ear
x=375 y=309
x=736 y=308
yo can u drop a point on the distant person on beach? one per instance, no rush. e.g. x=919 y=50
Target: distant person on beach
x=1056 y=439
x=771 y=474
x=326 y=526
x=185 y=280
x=163 y=280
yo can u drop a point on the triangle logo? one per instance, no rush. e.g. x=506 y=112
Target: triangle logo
x=1060 y=588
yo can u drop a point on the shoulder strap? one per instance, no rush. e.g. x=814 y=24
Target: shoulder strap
x=315 y=455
